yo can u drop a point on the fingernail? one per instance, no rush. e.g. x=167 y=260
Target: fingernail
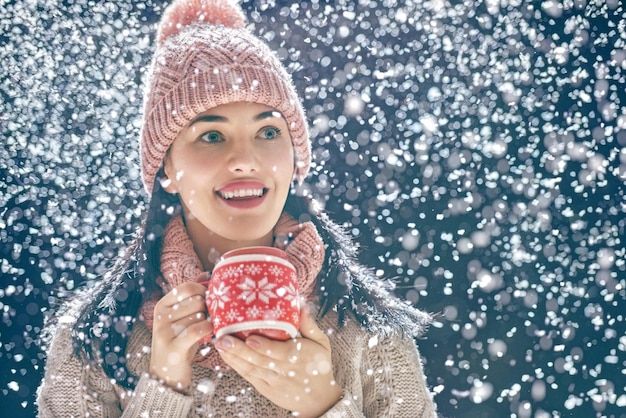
x=253 y=343
x=225 y=343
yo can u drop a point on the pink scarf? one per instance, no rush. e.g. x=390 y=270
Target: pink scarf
x=180 y=264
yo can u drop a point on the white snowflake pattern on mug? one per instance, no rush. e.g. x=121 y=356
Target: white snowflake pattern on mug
x=252 y=290
x=253 y=312
x=253 y=269
x=231 y=272
x=288 y=293
x=277 y=312
x=276 y=271
x=233 y=315
x=219 y=297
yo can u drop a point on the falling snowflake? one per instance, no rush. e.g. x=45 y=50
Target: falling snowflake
x=288 y=293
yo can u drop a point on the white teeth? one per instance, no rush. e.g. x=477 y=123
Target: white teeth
x=242 y=193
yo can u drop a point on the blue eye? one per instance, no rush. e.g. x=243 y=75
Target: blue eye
x=211 y=137
x=270 y=132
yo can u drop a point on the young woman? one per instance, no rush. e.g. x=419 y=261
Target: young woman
x=224 y=136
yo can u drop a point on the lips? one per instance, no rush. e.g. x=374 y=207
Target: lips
x=243 y=194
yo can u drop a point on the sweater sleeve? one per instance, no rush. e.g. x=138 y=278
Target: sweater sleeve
x=394 y=384
x=390 y=383
x=72 y=388
x=345 y=408
x=158 y=400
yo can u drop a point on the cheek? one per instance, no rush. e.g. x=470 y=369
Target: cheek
x=283 y=169
x=285 y=163
x=189 y=183
x=192 y=165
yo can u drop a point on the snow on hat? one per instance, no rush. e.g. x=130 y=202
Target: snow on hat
x=205 y=57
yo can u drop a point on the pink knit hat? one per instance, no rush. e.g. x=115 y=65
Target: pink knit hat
x=205 y=57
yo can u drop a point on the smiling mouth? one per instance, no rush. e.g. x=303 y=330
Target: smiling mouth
x=242 y=194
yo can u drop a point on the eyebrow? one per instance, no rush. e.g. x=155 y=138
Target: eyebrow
x=217 y=118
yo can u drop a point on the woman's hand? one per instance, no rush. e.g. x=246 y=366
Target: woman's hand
x=180 y=321
x=296 y=374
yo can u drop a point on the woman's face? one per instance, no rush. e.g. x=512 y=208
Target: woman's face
x=232 y=167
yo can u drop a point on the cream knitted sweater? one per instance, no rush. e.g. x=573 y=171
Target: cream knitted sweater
x=381 y=377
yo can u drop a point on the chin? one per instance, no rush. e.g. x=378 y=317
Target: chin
x=246 y=234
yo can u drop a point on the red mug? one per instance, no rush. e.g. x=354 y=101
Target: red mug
x=254 y=290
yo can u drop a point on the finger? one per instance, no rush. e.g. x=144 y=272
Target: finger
x=310 y=330
x=179 y=325
x=182 y=292
x=187 y=308
x=273 y=350
x=256 y=375
x=246 y=361
x=203 y=278
x=195 y=332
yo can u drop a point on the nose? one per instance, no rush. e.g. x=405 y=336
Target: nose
x=242 y=158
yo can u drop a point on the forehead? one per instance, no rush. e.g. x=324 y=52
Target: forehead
x=241 y=109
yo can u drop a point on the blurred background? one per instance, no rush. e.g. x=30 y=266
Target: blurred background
x=474 y=149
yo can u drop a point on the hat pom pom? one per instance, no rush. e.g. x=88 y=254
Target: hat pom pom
x=182 y=13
